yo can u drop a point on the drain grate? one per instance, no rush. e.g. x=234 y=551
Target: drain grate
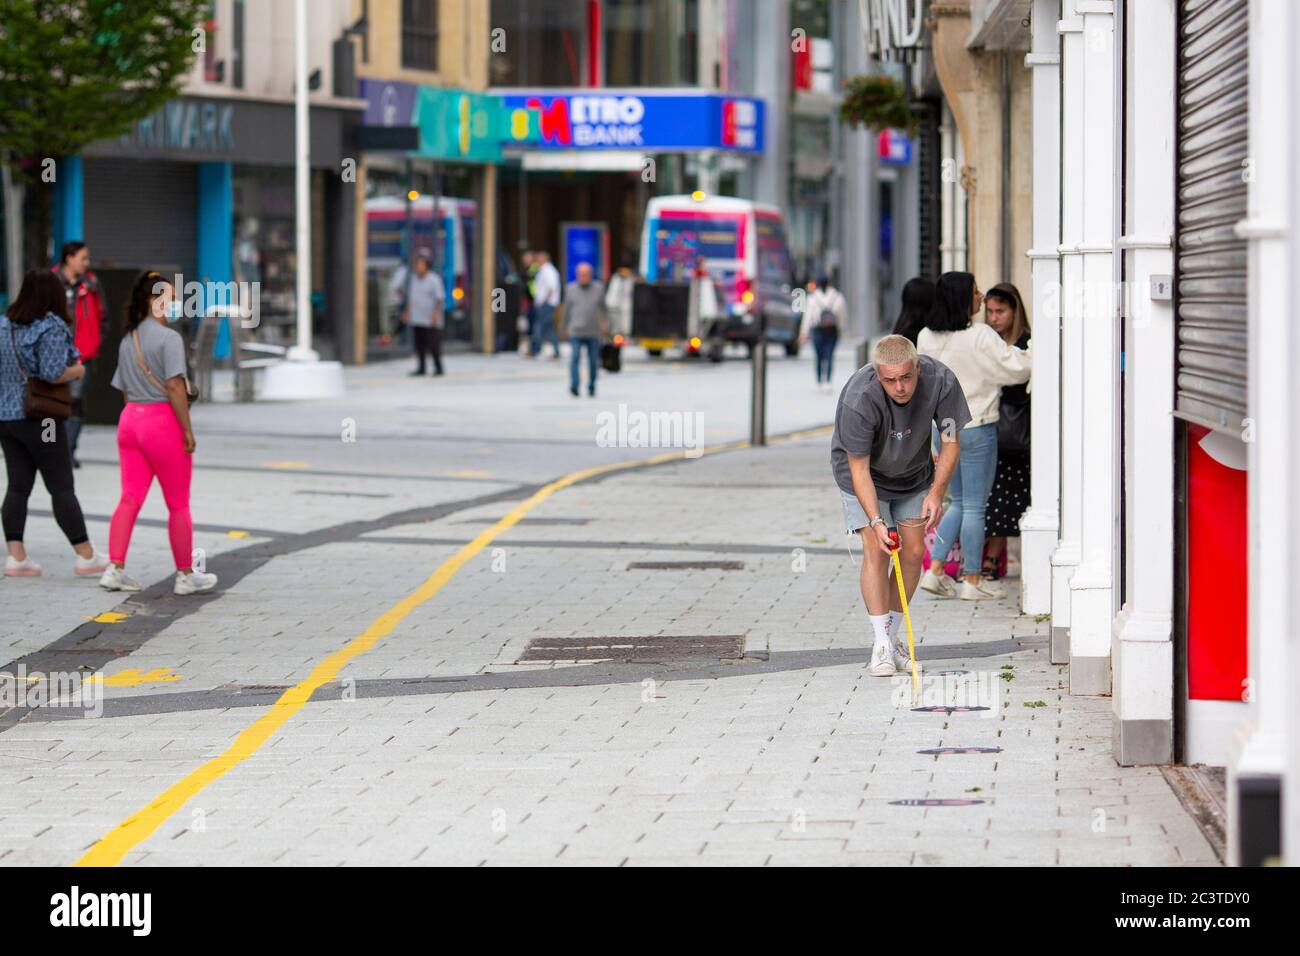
x=686 y=566
x=695 y=647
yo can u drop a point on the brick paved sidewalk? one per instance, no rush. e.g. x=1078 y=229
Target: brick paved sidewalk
x=795 y=755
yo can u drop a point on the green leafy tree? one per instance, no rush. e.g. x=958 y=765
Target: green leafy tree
x=77 y=71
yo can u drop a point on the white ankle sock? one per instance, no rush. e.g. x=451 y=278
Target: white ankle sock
x=895 y=621
x=880 y=625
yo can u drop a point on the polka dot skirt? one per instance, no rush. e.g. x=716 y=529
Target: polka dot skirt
x=1009 y=498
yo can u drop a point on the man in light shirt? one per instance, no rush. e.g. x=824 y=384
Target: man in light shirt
x=546 y=296
x=424 y=314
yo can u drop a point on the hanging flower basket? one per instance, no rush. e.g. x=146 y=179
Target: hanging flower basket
x=876 y=102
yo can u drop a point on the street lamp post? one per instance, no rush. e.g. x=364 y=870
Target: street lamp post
x=302 y=375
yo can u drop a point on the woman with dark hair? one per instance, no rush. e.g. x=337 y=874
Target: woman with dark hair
x=983 y=363
x=36 y=343
x=154 y=436
x=918 y=300
x=1004 y=311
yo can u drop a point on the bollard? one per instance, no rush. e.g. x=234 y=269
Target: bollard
x=758 y=394
x=864 y=352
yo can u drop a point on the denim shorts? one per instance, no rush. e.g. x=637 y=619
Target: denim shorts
x=891 y=509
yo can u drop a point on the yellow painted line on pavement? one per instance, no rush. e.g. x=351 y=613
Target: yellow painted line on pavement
x=133 y=676
x=236 y=534
x=110 y=617
x=135 y=829
x=287 y=465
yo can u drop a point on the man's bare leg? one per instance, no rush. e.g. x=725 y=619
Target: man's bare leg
x=874 y=575
x=912 y=544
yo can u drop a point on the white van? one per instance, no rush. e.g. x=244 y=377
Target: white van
x=743 y=246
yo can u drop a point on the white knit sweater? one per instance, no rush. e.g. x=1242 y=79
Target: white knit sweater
x=982 y=361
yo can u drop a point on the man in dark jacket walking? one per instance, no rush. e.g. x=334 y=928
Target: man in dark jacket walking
x=86 y=310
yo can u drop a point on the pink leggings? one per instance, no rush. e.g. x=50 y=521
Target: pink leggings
x=150 y=442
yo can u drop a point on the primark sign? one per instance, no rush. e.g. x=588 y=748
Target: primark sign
x=185 y=125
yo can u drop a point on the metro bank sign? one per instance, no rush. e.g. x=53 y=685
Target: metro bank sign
x=626 y=119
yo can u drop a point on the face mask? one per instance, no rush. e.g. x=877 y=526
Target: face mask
x=174 y=311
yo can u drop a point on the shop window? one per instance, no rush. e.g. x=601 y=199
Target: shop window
x=651 y=44
x=545 y=43
x=420 y=35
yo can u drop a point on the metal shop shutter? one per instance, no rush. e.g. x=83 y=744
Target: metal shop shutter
x=1211 y=200
x=141 y=214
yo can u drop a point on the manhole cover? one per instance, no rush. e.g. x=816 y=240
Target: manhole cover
x=945 y=710
x=962 y=750
x=948 y=802
x=686 y=566
x=685 y=648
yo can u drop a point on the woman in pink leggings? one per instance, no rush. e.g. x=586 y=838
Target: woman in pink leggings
x=153 y=435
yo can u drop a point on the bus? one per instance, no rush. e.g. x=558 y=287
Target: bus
x=742 y=244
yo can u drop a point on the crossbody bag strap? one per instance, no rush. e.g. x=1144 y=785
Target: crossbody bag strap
x=144 y=367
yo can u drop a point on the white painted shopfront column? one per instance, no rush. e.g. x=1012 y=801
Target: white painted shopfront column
x=1066 y=556
x=1142 y=651
x=1256 y=755
x=1291 y=524
x=1040 y=523
x=1091 y=585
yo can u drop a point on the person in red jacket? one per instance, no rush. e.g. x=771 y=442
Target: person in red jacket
x=86 y=309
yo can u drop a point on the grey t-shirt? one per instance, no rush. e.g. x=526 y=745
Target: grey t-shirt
x=896 y=437
x=427 y=298
x=583 y=306
x=163 y=350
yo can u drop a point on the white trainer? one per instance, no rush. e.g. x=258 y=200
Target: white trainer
x=195 y=582
x=115 y=579
x=903 y=660
x=26 y=568
x=91 y=566
x=882 y=663
x=939 y=584
x=983 y=591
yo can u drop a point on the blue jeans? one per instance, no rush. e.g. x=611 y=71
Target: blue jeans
x=544 y=329
x=592 y=345
x=970 y=487
x=823 y=341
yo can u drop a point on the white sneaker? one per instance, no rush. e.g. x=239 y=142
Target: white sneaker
x=903 y=660
x=26 y=568
x=983 y=591
x=882 y=664
x=115 y=579
x=195 y=582
x=939 y=584
x=91 y=566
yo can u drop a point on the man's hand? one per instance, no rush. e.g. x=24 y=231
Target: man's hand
x=883 y=539
x=932 y=509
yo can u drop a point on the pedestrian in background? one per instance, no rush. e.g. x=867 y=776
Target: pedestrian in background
x=618 y=298
x=983 y=363
x=529 y=276
x=546 y=297
x=86 y=312
x=824 y=314
x=154 y=435
x=36 y=342
x=1004 y=313
x=424 y=313
x=918 y=300
x=584 y=325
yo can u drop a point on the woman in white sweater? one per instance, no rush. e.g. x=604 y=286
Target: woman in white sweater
x=983 y=363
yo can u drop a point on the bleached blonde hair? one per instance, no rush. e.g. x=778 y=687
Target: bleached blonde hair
x=894 y=350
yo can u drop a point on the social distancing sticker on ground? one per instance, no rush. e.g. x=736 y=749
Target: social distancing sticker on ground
x=961 y=750
x=939 y=709
x=935 y=802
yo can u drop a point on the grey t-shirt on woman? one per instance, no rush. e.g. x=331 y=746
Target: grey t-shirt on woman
x=163 y=351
